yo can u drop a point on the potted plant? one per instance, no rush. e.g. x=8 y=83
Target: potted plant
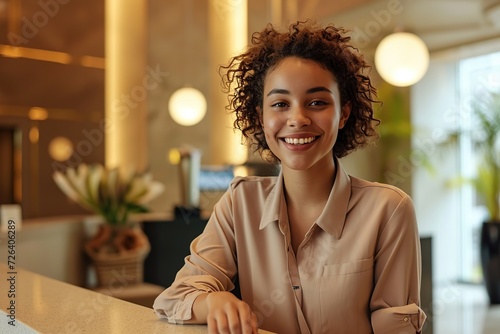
x=119 y=247
x=486 y=182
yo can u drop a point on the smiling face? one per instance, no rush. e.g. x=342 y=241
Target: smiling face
x=302 y=114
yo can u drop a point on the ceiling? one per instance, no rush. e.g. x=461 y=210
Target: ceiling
x=442 y=24
x=80 y=32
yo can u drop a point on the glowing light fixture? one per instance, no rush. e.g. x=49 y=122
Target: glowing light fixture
x=38 y=114
x=402 y=59
x=60 y=148
x=36 y=54
x=187 y=106
x=34 y=135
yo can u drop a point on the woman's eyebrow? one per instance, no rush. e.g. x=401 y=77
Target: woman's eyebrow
x=318 y=89
x=278 y=91
x=309 y=91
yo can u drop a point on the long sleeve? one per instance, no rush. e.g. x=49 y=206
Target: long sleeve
x=357 y=271
x=396 y=296
x=210 y=267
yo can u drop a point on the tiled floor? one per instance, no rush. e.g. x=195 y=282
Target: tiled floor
x=464 y=309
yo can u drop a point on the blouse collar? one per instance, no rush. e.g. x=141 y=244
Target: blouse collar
x=331 y=220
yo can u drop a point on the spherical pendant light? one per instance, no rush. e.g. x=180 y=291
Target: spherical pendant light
x=402 y=59
x=61 y=148
x=187 y=106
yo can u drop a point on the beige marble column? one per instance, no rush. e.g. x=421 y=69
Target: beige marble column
x=128 y=80
x=228 y=35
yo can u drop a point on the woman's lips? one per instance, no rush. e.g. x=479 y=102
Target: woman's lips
x=299 y=140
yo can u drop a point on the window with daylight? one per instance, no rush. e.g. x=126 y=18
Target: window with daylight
x=441 y=104
x=478 y=76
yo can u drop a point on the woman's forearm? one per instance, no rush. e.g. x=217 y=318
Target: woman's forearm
x=200 y=310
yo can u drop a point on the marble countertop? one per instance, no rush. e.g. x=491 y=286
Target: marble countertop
x=43 y=305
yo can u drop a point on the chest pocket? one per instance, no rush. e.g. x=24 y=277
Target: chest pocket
x=344 y=295
x=347 y=268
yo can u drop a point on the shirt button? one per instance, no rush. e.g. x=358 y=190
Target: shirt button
x=405 y=319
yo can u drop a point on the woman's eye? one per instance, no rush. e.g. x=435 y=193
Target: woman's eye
x=279 y=105
x=318 y=103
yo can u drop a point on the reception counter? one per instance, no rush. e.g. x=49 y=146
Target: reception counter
x=37 y=304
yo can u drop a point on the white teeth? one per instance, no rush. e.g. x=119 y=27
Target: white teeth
x=299 y=141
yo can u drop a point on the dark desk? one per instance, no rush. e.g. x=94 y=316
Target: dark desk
x=170 y=242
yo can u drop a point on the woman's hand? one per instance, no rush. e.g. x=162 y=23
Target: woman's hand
x=229 y=315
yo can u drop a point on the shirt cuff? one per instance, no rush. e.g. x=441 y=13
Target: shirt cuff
x=183 y=311
x=400 y=319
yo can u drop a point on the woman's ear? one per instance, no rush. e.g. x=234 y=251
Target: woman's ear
x=345 y=113
x=261 y=117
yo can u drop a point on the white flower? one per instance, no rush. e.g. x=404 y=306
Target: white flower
x=77 y=178
x=138 y=187
x=67 y=188
x=155 y=188
x=64 y=185
x=93 y=181
x=107 y=192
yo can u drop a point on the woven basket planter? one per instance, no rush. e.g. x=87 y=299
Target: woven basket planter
x=113 y=270
x=119 y=268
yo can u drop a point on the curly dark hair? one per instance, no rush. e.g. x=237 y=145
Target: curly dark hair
x=243 y=81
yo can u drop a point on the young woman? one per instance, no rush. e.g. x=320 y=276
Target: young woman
x=315 y=250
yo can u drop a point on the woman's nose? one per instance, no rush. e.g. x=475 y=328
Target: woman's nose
x=298 y=118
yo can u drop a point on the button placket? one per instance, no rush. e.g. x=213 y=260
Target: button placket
x=293 y=272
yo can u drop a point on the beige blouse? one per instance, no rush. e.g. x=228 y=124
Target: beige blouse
x=357 y=270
